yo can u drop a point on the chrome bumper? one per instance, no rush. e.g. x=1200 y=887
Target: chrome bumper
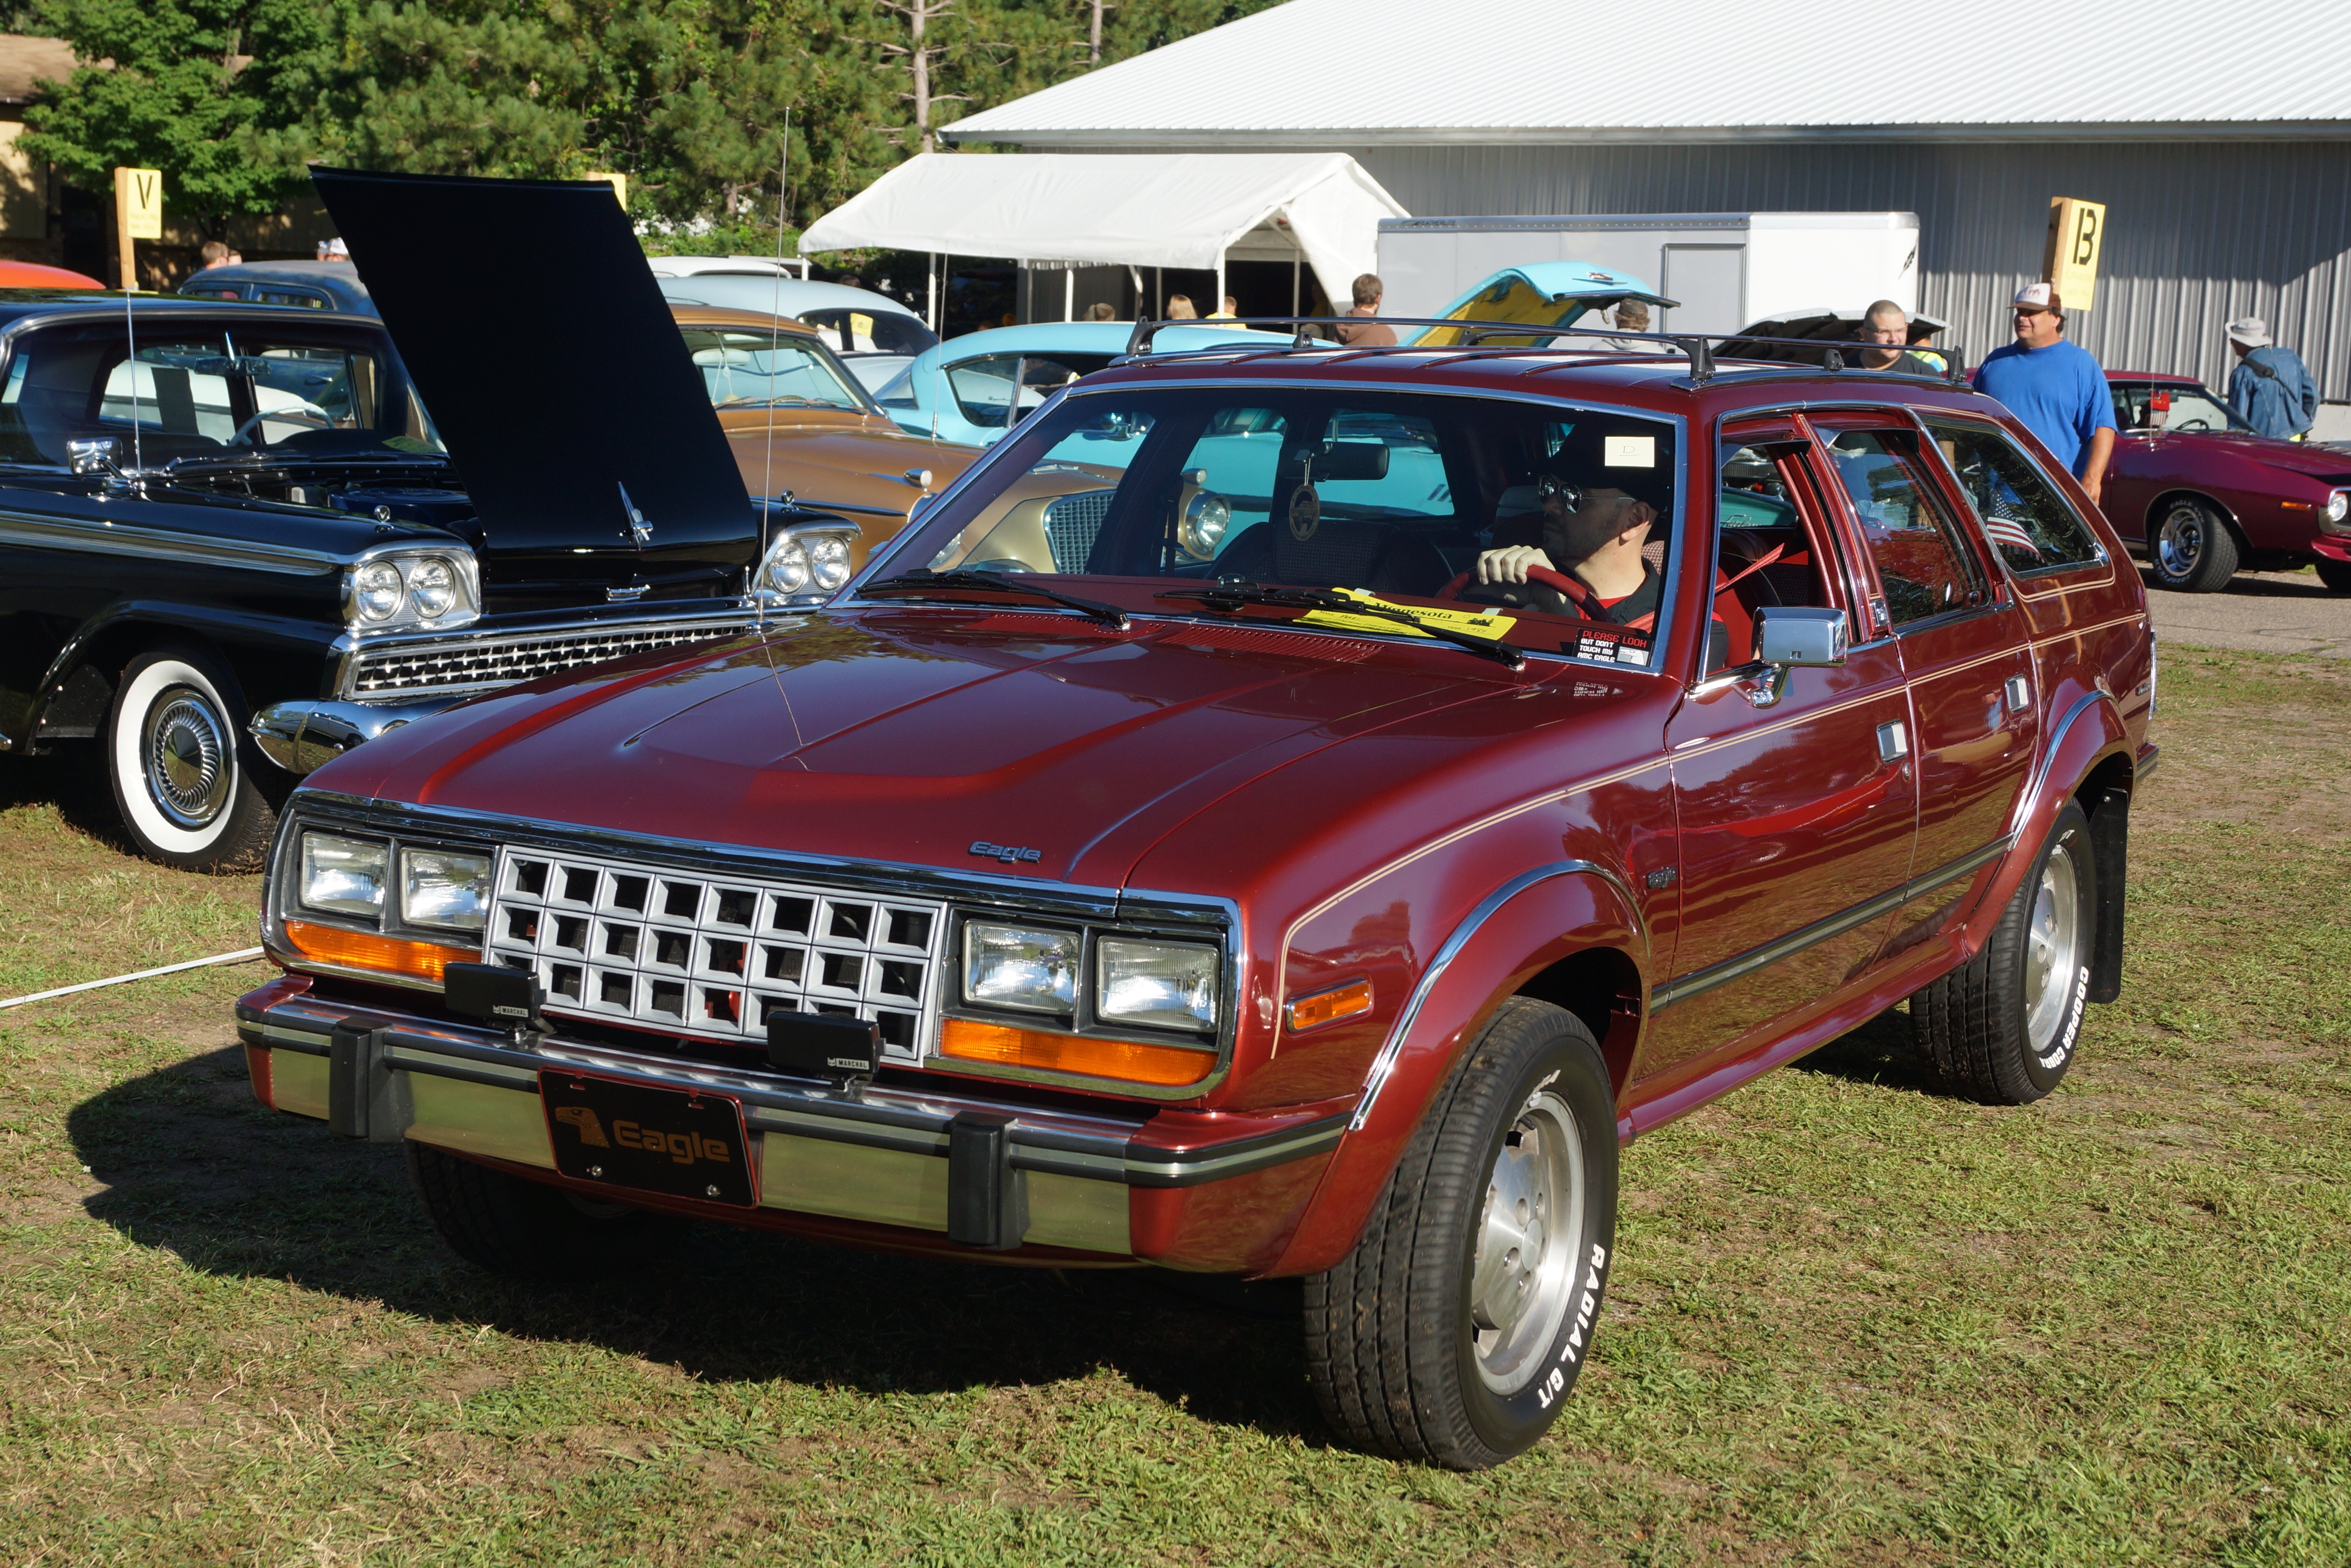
x=885 y=1153
x=302 y=736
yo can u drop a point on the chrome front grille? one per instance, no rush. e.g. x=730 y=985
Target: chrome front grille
x=714 y=956
x=1072 y=524
x=471 y=664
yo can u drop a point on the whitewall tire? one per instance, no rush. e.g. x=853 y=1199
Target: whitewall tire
x=176 y=752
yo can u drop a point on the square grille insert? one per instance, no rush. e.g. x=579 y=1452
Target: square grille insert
x=712 y=956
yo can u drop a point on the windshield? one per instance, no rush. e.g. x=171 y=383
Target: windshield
x=745 y=367
x=869 y=331
x=207 y=391
x=1133 y=494
x=2162 y=406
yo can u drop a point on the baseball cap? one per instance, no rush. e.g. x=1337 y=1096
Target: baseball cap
x=2251 y=331
x=2036 y=296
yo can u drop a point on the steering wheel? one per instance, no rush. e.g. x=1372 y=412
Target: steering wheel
x=283 y=416
x=1569 y=589
x=2193 y=425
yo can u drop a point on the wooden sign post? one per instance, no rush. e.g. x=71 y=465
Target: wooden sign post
x=138 y=214
x=2077 y=230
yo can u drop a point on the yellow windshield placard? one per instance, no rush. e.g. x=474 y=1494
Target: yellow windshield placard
x=1488 y=625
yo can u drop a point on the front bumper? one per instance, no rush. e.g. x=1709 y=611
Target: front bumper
x=1206 y=1193
x=302 y=737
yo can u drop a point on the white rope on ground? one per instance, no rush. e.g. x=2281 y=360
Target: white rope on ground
x=241 y=955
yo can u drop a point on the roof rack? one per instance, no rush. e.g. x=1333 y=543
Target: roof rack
x=1697 y=347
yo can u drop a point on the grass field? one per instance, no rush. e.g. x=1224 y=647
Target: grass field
x=1854 y=1322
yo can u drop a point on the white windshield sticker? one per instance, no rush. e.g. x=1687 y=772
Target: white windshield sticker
x=1629 y=451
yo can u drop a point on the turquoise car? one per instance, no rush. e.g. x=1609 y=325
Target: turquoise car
x=1545 y=293
x=961 y=389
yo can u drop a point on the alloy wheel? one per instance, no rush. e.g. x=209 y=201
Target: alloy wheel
x=2053 y=951
x=1522 y=1275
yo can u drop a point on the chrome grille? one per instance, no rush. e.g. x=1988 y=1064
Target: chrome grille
x=501 y=661
x=1071 y=523
x=714 y=956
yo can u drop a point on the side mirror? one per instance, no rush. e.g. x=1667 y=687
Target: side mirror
x=1797 y=636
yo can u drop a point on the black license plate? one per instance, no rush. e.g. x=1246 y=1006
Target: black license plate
x=681 y=1142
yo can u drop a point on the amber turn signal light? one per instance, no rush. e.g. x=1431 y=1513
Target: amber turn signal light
x=365 y=950
x=1330 y=1006
x=1131 y=1060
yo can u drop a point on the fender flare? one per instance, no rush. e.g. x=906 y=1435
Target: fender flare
x=234 y=633
x=1580 y=906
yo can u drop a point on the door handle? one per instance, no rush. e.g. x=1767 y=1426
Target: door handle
x=1893 y=740
x=2019 y=692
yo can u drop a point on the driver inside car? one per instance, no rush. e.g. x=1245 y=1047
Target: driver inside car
x=1593 y=535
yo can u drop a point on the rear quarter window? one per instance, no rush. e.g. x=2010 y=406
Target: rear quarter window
x=2029 y=521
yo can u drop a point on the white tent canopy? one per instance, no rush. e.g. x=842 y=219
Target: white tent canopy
x=1192 y=210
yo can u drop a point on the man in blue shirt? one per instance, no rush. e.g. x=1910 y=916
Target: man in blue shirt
x=2271 y=390
x=2054 y=387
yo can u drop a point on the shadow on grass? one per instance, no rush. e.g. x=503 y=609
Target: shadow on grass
x=72 y=778
x=1879 y=1053
x=193 y=1166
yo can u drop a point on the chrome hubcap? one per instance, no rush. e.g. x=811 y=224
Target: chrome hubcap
x=2053 y=953
x=1522 y=1275
x=187 y=752
x=2180 y=542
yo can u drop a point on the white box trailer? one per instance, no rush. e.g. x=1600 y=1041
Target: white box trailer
x=1728 y=269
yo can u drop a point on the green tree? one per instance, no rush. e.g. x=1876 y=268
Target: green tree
x=198 y=89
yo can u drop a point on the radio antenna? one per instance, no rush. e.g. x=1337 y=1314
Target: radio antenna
x=775 y=347
x=131 y=368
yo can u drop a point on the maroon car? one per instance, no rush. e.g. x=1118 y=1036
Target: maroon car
x=1166 y=855
x=2199 y=494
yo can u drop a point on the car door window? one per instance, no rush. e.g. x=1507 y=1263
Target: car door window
x=2028 y=521
x=265 y=294
x=1923 y=563
x=982 y=387
x=869 y=331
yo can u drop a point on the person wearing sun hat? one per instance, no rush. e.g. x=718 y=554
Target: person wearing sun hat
x=2270 y=389
x=2054 y=387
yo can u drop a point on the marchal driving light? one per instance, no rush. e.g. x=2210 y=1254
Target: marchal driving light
x=343 y=875
x=1206 y=517
x=1161 y=985
x=1011 y=966
x=447 y=892
x=807 y=562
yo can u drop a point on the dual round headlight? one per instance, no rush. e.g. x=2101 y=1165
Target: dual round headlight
x=427 y=588
x=809 y=561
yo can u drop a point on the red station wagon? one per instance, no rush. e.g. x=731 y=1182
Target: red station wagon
x=1265 y=898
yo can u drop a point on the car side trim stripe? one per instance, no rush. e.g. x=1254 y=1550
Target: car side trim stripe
x=100 y=538
x=1740 y=965
x=1393 y=1046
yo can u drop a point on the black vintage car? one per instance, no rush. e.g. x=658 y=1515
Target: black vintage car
x=234 y=543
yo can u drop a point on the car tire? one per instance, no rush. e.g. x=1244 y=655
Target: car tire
x=2335 y=575
x=1457 y=1326
x=2002 y=1028
x=181 y=765
x=2192 y=547
x=529 y=1229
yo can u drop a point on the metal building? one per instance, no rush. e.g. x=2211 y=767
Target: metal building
x=2227 y=191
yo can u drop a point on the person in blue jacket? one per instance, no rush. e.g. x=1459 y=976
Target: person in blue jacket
x=2270 y=389
x=2054 y=387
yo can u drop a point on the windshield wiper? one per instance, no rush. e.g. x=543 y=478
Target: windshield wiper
x=923 y=579
x=1227 y=597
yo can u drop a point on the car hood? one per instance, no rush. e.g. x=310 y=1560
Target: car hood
x=567 y=397
x=2315 y=459
x=917 y=736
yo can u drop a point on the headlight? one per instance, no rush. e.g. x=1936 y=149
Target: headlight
x=437 y=587
x=377 y=588
x=806 y=561
x=343 y=874
x=1205 y=518
x=445 y=890
x=1163 y=985
x=2337 y=504
x=432 y=588
x=1015 y=967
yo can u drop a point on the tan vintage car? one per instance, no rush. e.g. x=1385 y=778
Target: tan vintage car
x=800 y=425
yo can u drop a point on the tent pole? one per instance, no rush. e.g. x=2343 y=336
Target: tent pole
x=1220 y=281
x=931 y=294
x=1158 y=294
x=1070 y=294
x=1294 y=306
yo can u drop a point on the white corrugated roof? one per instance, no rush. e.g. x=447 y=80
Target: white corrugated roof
x=1410 y=70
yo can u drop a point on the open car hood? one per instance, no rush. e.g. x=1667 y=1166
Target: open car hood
x=566 y=395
